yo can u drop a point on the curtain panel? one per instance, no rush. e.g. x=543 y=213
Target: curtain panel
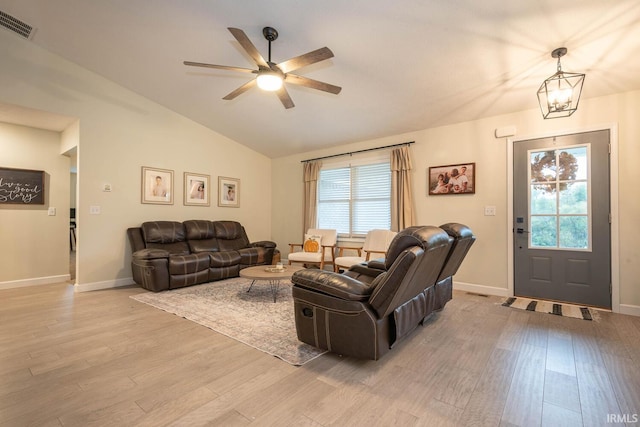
x=402 y=209
x=310 y=178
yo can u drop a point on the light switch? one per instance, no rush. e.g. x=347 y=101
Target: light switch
x=94 y=210
x=489 y=211
x=51 y=212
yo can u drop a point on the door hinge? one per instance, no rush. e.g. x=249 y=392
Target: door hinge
x=609 y=217
x=609 y=148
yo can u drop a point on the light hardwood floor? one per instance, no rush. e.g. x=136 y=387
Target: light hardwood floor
x=101 y=358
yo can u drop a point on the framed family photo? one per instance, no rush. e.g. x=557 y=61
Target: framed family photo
x=228 y=192
x=196 y=189
x=452 y=179
x=157 y=186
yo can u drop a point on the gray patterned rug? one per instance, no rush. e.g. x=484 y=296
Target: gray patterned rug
x=249 y=317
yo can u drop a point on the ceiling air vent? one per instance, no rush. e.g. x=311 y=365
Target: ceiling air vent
x=15 y=25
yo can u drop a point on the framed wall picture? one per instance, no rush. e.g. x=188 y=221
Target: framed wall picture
x=452 y=179
x=228 y=192
x=21 y=187
x=196 y=189
x=157 y=186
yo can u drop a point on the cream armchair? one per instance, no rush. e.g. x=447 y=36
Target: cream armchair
x=376 y=243
x=318 y=247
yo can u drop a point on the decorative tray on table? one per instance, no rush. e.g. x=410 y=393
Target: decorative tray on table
x=275 y=269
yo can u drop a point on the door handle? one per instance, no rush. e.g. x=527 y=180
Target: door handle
x=521 y=231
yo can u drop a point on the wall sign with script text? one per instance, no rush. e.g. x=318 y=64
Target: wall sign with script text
x=21 y=186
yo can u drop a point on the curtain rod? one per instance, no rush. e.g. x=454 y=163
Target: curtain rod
x=359 y=151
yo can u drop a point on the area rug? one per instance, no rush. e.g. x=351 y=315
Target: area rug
x=566 y=310
x=249 y=317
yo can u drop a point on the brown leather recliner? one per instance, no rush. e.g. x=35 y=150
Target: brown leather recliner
x=365 y=311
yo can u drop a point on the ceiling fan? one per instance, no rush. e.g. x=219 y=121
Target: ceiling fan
x=271 y=76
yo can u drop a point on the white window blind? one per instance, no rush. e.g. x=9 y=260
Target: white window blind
x=355 y=199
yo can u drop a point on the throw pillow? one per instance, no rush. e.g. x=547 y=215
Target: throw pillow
x=312 y=243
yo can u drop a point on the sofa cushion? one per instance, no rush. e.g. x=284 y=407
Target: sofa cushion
x=336 y=285
x=163 y=232
x=231 y=236
x=182 y=280
x=207 y=245
x=177 y=248
x=188 y=264
x=228 y=230
x=220 y=273
x=201 y=236
x=167 y=235
x=199 y=229
x=224 y=258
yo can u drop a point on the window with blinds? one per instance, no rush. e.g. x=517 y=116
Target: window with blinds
x=355 y=199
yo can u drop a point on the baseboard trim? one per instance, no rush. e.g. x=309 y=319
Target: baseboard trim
x=37 y=281
x=107 y=284
x=632 y=310
x=480 y=289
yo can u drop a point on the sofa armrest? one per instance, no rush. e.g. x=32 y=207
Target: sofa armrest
x=332 y=248
x=333 y=284
x=264 y=244
x=135 y=238
x=370 y=269
x=341 y=250
x=292 y=246
x=150 y=254
x=377 y=264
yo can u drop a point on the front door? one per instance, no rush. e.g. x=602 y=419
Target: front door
x=562 y=219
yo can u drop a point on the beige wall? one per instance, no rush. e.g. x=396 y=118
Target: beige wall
x=486 y=268
x=34 y=244
x=117 y=133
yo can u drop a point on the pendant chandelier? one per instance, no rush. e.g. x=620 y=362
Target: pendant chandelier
x=559 y=94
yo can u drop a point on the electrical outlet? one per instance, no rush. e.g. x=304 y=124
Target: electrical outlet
x=94 y=210
x=489 y=211
x=51 y=212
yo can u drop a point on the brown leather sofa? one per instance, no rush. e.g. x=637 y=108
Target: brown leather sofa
x=170 y=254
x=366 y=310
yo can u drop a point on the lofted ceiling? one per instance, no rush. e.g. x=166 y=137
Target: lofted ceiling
x=403 y=66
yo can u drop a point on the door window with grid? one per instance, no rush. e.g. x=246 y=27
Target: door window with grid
x=559 y=198
x=355 y=199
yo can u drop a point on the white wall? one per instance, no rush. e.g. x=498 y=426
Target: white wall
x=118 y=132
x=34 y=244
x=474 y=141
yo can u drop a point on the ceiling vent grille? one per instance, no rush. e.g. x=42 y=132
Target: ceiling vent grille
x=15 y=25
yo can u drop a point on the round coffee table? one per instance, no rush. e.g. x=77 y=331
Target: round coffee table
x=270 y=274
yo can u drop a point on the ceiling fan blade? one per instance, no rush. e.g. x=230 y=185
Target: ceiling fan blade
x=285 y=98
x=242 y=89
x=313 y=84
x=306 y=59
x=248 y=46
x=220 y=67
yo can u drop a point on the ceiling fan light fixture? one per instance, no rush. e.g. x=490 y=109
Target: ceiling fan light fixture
x=269 y=81
x=559 y=95
x=269 y=75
